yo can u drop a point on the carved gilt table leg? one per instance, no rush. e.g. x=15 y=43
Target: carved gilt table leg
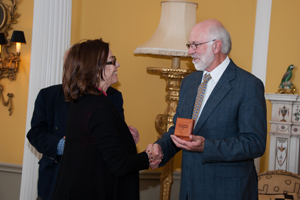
x=164 y=121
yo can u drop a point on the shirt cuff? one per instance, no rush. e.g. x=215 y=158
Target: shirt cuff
x=60 y=146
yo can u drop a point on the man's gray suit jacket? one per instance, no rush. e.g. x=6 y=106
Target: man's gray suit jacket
x=233 y=123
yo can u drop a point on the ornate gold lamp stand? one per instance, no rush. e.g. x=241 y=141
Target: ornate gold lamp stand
x=164 y=121
x=169 y=39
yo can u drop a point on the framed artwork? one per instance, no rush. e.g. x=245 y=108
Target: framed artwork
x=2 y=15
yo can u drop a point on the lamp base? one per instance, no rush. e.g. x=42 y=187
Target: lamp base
x=164 y=121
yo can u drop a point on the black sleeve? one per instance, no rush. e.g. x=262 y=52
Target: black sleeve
x=39 y=135
x=114 y=147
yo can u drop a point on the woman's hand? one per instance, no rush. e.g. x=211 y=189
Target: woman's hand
x=135 y=134
x=155 y=155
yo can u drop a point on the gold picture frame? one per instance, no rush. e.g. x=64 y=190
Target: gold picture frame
x=2 y=15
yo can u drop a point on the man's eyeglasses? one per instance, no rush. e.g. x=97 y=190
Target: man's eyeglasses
x=113 y=62
x=195 y=46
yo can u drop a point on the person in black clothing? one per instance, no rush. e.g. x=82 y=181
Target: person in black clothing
x=48 y=128
x=100 y=159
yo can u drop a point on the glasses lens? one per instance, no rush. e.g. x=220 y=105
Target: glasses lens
x=188 y=45
x=113 y=62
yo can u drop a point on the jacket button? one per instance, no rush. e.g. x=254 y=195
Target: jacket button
x=56 y=128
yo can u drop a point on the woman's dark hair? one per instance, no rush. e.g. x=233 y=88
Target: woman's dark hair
x=83 y=66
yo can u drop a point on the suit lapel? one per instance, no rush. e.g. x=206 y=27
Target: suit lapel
x=217 y=95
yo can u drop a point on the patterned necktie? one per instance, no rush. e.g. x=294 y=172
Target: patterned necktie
x=200 y=96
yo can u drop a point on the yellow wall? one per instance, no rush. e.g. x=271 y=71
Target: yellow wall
x=127 y=24
x=12 y=128
x=283 y=50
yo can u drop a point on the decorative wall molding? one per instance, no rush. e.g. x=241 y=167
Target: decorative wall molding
x=10 y=181
x=146 y=174
x=13 y=168
x=149 y=183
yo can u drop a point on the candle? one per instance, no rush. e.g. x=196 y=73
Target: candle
x=18 y=47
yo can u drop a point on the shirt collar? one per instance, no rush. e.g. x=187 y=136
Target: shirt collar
x=219 y=70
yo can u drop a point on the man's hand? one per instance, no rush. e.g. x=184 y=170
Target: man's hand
x=155 y=155
x=135 y=134
x=158 y=151
x=196 y=143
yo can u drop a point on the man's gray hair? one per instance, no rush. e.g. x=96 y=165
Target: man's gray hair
x=220 y=33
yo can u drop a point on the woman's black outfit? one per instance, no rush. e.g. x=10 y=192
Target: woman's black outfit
x=100 y=159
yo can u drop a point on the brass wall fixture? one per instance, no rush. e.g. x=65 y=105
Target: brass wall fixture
x=9 y=66
x=9 y=62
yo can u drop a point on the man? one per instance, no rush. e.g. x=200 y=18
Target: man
x=48 y=126
x=230 y=125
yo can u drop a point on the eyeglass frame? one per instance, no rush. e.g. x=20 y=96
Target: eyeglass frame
x=188 y=45
x=113 y=62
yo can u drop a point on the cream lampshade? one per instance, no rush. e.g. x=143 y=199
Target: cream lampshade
x=170 y=38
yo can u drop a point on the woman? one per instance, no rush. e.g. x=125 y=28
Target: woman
x=100 y=159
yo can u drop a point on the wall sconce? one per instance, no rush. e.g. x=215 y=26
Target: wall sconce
x=9 y=65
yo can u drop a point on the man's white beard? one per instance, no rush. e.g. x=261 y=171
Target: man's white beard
x=205 y=61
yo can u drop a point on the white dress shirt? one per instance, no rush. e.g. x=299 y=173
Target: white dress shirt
x=215 y=77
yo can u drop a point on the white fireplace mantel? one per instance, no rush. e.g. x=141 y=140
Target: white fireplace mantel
x=285 y=132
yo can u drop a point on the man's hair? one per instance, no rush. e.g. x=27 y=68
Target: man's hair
x=83 y=66
x=220 y=33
